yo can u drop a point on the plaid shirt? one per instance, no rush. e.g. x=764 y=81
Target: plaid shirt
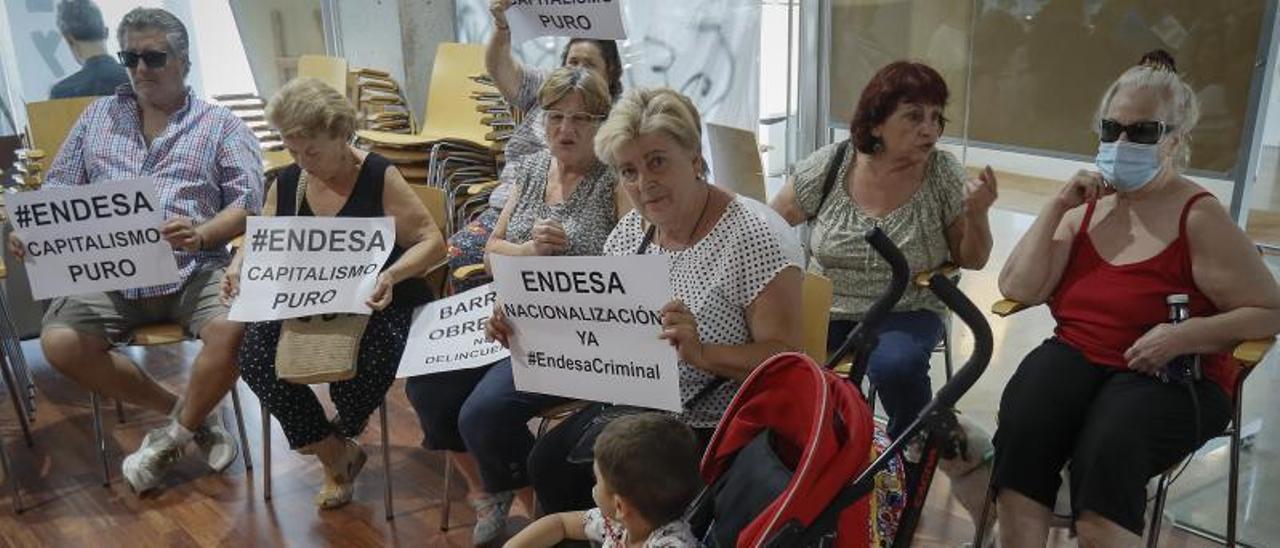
x=205 y=161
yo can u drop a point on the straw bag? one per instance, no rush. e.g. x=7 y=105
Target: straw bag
x=321 y=348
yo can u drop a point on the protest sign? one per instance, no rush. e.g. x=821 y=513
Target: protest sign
x=448 y=335
x=588 y=327
x=600 y=19
x=302 y=266
x=91 y=238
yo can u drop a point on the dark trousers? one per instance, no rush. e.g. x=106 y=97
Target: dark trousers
x=479 y=411
x=899 y=365
x=296 y=406
x=1117 y=428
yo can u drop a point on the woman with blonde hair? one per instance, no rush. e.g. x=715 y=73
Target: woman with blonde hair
x=339 y=180
x=736 y=294
x=563 y=201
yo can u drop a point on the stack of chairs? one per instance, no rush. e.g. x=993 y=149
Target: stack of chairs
x=251 y=109
x=455 y=149
x=380 y=102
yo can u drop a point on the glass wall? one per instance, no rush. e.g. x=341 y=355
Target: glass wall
x=1027 y=74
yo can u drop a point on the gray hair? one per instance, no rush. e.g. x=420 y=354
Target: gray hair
x=81 y=20
x=1181 y=108
x=157 y=19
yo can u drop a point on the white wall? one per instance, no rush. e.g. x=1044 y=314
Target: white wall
x=1271 y=135
x=371 y=38
x=424 y=24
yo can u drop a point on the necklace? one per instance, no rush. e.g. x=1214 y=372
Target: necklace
x=705 y=202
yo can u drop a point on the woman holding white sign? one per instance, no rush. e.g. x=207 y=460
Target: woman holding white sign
x=519 y=85
x=737 y=295
x=334 y=179
x=563 y=201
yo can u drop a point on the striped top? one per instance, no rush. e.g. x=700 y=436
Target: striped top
x=206 y=160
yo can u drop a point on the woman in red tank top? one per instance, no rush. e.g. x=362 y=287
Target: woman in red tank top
x=1091 y=396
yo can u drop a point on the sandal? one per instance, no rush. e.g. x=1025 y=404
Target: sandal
x=340 y=481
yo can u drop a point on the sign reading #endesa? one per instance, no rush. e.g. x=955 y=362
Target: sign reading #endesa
x=92 y=238
x=302 y=266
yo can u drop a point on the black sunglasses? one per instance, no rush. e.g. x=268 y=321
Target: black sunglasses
x=1146 y=133
x=154 y=59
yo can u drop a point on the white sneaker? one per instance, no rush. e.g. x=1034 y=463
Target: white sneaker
x=158 y=453
x=217 y=446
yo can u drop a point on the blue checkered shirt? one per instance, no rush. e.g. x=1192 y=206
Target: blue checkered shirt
x=205 y=161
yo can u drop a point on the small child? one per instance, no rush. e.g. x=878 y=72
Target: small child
x=646 y=470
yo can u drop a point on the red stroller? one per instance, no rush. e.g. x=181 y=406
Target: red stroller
x=787 y=466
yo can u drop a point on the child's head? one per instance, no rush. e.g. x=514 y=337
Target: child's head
x=646 y=466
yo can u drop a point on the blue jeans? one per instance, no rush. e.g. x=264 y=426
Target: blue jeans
x=899 y=365
x=480 y=411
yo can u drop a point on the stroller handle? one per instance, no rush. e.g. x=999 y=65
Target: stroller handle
x=871 y=321
x=964 y=379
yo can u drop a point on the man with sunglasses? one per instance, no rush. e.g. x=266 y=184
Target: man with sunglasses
x=207 y=170
x=80 y=22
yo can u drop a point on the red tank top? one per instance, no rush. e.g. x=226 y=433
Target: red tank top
x=1101 y=308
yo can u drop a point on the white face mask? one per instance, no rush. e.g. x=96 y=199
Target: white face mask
x=1128 y=166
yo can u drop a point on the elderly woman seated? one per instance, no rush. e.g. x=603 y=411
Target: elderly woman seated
x=891 y=175
x=1109 y=253
x=563 y=202
x=338 y=180
x=519 y=85
x=736 y=295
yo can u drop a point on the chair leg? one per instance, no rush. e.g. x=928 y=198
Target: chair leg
x=16 y=394
x=1233 y=472
x=386 y=460
x=266 y=454
x=13 y=348
x=448 y=476
x=13 y=479
x=100 y=438
x=1157 y=511
x=244 y=438
x=979 y=527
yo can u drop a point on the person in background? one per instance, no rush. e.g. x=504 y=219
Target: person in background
x=316 y=123
x=1106 y=254
x=646 y=469
x=519 y=85
x=563 y=201
x=891 y=175
x=207 y=170
x=80 y=23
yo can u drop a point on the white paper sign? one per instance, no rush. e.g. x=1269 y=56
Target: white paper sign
x=301 y=266
x=587 y=327
x=448 y=335
x=601 y=19
x=91 y=238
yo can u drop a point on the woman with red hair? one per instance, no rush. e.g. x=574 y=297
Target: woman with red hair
x=890 y=174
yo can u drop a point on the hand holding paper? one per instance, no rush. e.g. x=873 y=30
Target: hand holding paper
x=530 y=19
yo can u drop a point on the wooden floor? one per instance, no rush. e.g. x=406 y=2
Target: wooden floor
x=68 y=506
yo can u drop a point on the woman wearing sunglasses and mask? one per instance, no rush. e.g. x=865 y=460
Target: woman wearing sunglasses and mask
x=1109 y=254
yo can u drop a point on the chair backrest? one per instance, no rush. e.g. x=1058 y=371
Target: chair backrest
x=330 y=70
x=450 y=110
x=816 y=294
x=434 y=199
x=735 y=161
x=49 y=122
